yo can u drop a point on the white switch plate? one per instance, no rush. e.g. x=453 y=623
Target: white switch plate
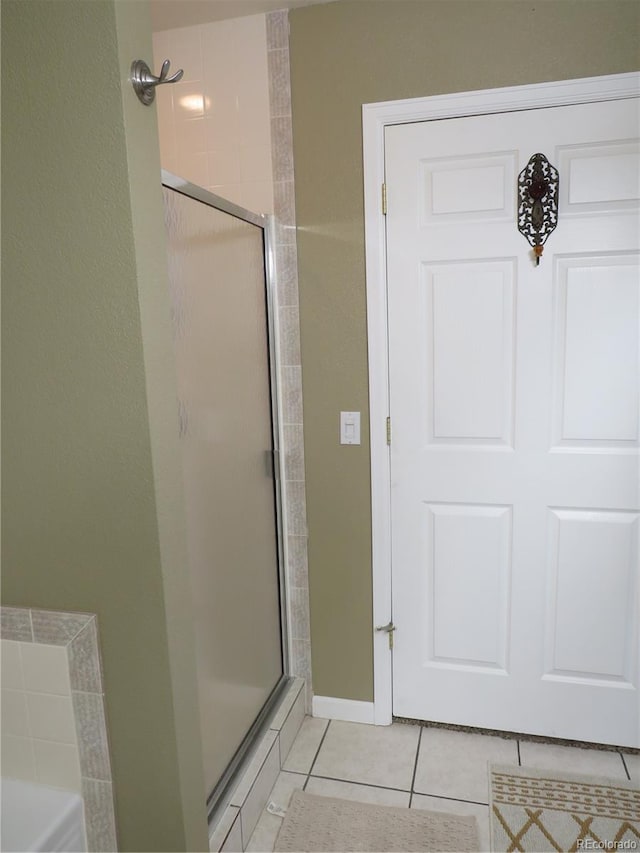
x=349 y=427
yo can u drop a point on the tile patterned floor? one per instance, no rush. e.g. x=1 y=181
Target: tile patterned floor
x=415 y=767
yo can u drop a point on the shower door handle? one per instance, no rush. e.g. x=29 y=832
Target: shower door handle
x=272 y=464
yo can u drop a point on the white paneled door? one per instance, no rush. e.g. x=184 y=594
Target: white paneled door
x=514 y=405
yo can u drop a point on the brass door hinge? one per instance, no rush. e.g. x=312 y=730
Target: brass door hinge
x=388 y=629
x=384 y=199
x=388 y=430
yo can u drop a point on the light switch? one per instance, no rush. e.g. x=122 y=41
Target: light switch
x=349 y=427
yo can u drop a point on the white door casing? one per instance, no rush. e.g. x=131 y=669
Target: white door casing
x=473 y=440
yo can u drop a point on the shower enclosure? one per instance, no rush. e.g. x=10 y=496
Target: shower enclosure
x=220 y=273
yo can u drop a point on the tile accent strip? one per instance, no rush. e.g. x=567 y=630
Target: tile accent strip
x=78 y=634
x=15 y=624
x=286 y=261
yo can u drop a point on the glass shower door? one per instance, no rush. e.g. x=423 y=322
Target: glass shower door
x=220 y=325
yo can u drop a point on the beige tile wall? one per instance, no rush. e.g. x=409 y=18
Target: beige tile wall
x=39 y=742
x=215 y=123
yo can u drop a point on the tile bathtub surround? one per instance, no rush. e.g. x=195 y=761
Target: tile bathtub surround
x=414 y=767
x=53 y=721
x=15 y=624
x=38 y=724
x=248 y=799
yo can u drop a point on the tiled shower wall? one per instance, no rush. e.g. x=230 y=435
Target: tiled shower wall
x=214 y=124
x=227 y=127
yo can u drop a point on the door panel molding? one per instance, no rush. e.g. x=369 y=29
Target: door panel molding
x=375 y=118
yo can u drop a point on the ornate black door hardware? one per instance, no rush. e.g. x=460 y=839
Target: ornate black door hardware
x=538 y=202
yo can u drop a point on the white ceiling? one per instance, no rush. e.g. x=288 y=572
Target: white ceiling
x=169 y=14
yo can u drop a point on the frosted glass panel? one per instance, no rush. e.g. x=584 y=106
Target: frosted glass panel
x=218 y=295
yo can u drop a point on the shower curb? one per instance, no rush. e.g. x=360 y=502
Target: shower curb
x=237 y=821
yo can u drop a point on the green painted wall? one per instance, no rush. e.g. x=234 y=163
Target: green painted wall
x=344 y=54
x=92 y=503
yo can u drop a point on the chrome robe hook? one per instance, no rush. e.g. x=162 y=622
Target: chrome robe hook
x=144 y=82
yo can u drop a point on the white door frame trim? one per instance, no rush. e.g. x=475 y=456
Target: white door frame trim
x=375 y=117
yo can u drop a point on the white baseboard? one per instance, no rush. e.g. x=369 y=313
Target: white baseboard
x=350 y=710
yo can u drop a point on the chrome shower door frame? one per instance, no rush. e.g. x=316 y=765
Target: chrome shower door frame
x=218 y=798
